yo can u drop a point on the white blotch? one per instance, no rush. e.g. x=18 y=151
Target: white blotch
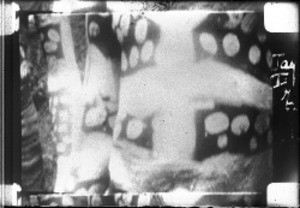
x=111 y=121
x=254 y=54
x=50 y=46
x=94 y=29
x=52 y=63
x=240 y=124
x=67 y=200
x=269 y=58
x=253 y=144
x=222 y=141
x=270 y=137
x=208 y=43
x=96 y=200
x=231 y=44
x=95 y=117
x=234 y=20
x=134 y=128
x=24 y=69
x=119 y=35
x=134 y=56
x=147 y=51
x=141 y=30
x=22 y=52
x=124 y=63
x=262 y=123
x=125 y=24
x=53 y=35
x=216 y=123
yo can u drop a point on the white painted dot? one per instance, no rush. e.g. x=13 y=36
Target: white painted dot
x=119 y=35
x=240 y=124
x=208 y=43
x=269 y=58
x=53 y=35
x=117 y=130
x=95 y=117
x=134 y=56
x=134 y=128
x=254 y=54
x=262 y=37
x=22 y=52
x=50 y=46
x=247 y=23
x=94 y=29
x=141 y=30
x=24 y=69
x=125 y=24
x=270 y=137
x=222 y=141
x=124 y=63
x=147 y=51
x=262 y=123
x=231 y=44
x=216 y=123
x=234 y=20
x=253 y=144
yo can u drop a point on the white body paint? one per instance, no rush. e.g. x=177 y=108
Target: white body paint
x=172 y=91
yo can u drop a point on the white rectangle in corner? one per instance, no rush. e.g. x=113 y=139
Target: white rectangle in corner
x=281 y=17
x=283 y=195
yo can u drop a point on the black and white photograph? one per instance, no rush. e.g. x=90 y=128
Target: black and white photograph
x=152 y=104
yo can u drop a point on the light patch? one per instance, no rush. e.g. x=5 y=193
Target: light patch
x=134 y=128
x=147 y=51
x=134 y=56
x=50 y=46
x=208 y=43
x=141 y=30
x=52 y=63
x=248 y=23
x=269 y=58
x=234 y=20
x=53 y=35
x=95 y=117
x=253 y=144
x=24 y=69
x=240 y=124
x=96 y=200
x=111 y=121
x=222 y=141
x=94 y=29
x=67 y=200
x=124 y=63
x=262 y=123
x=125 y=24
x=22 y=52
x=270 y=137
x=216 y=123
x=254 y=54
x=119 y=35
x=231 y=44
